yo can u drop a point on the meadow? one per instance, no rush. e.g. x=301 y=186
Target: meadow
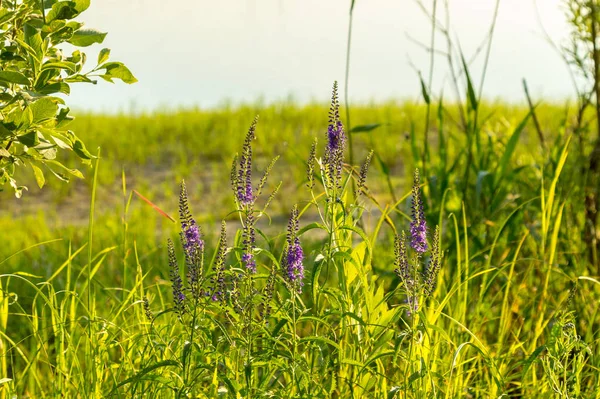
x=514 y=311
x=417 y=249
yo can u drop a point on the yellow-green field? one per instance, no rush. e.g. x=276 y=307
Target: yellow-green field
x=514 y=313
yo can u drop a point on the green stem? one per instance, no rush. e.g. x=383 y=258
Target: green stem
x=295 y=343
x=90 y=301
x=346 y=79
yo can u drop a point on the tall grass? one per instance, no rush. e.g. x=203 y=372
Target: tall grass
x=357 y=297
x=504 y=318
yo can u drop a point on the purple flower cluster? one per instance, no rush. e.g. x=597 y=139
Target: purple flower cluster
x=293 y=260
x=192 y=236
x=418 y=226
x=336 y=142
x=417 y=284
x=243 y=178
x=193 y=245
x=294 y=255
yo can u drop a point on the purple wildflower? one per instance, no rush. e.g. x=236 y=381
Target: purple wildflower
x=191 y=234
x=336 y=141
x=249 y=262
x=294 y=255
x=176 y=282
x=245 y=195
x=418 y=226
x=294 y=258
x=192 y=242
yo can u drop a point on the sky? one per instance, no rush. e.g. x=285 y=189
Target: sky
x=206 y=53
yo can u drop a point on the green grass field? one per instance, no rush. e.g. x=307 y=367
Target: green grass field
x=514 y=312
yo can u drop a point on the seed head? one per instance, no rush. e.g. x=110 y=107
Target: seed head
x=310 y=165
x=402 y=268
x=362 y=177
x=249 y=240
x=147 y=310
x=245 y=193
x=418 y=226
x=294 y=255
x=176 y=282
x=218 y=278
x=406 y=273
x=336 y=142
x=268 y=291
x=263 y=179
x=433 y=267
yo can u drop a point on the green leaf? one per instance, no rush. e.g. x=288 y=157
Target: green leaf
x=30 y=139
x=424 y=90
x=146 y=370
x=39 y=176
x=365 y=128
x=473 y=104
x=33 y=43
x=14 y=77
x=63 y=118
x=70 y=66
x=87 y=37
x=62 y=10
x=80 y=150
x=64 y=33
x=384 y=168
x=509 y=150
x=48 y=153
x=46 y=76
x=82 y=5
x=324 y=340
x=43 y=109
x=79 y=78
x=117 y=70
x=103 y=55
x=4 y=132
x=61 y=141
x=481 y=175
x=73 y=172
x=58 y=87
x=6 y=15
x=4 y=152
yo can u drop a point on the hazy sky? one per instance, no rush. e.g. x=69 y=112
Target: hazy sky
x=203 y=52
